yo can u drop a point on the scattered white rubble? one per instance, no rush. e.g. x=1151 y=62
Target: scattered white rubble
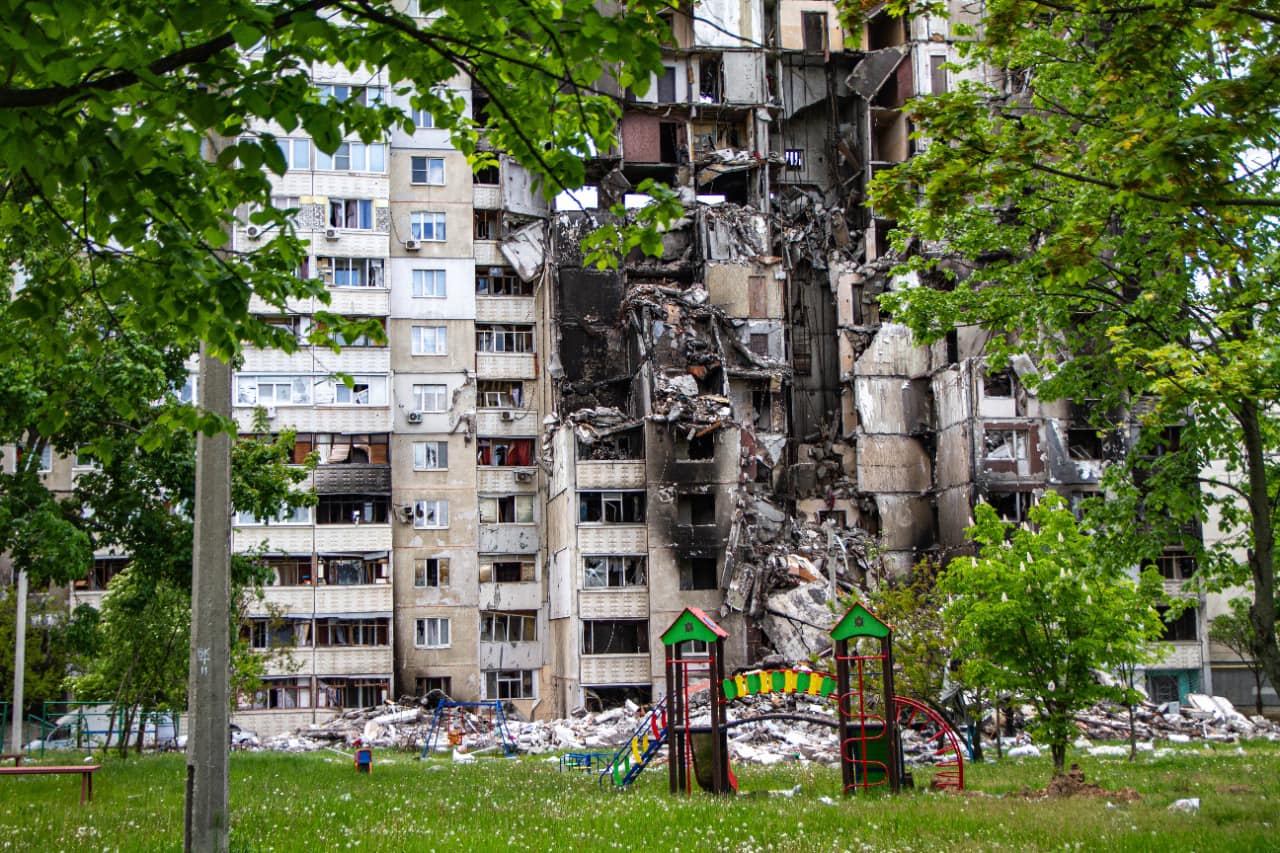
x=1189 y=804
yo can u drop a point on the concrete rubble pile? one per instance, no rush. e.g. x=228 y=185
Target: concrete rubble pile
x=1210 y=718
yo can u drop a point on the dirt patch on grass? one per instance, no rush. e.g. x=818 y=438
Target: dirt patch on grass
x=1073 y=784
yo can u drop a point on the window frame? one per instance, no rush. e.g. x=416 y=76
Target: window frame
x=440 y=451
x=431 y=279
x=424 y=572
x=430 y=175
x=420 y=514
x=418 y=223
x=421 y=392
x=419 y=337
x=422 y=633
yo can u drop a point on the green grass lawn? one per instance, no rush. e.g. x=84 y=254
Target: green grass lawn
x=317 y=802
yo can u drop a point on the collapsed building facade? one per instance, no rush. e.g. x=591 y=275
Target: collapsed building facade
x=548 y=461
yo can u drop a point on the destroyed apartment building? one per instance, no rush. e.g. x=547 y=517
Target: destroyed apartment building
x=547 y=461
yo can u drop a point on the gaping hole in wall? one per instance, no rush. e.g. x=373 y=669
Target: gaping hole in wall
x=104 y=569
x=997 y=383
x=885 y=30
x=696 y=509
x=628 y=444
x=508 y=568
x=600 y=698
x=696 y=447
x=698 y=573
x=615 y=636
x=1011 y=506
x=1084 y=443
x=433 y=688
x=813 y=26
x=710 y=79
x=1182 y=628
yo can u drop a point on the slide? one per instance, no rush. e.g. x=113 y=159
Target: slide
x=647 y=742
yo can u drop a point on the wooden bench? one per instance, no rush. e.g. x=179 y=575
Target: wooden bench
x=16 y=756
x=86 y=772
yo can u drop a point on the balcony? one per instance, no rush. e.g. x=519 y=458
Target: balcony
x=632 y=603
x=508 y=538
x=620 y=474
x=613 y=539
x=616 y=669
x=299 y=539
x=335 y=660
x=507 y=365
x=362 y=598
x=505 y=309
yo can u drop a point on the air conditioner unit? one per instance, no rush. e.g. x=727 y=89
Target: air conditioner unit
x=253 y=232
x=331 y=233
x=415 y=417
x=406 y=514
x=412 y=245
x=508 y=416
x=524 y=476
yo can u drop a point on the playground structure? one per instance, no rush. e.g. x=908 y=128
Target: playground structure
x=869 y=722
x=449 y=720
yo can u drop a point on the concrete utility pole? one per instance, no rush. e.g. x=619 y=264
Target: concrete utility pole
x=208 y=813
x=19 y=661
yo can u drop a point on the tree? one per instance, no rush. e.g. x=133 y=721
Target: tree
x=106 y=110
x=1234 y=630
x=921 y=640
x=1110 y=211
x=1037 y=612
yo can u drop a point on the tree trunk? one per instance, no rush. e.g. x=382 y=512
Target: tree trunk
x=1262 y=612
x=1058 y=749
x=1133 y=737
x=1257 y=690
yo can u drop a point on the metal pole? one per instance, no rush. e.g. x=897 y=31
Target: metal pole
x=19 y=660
x=208 y=816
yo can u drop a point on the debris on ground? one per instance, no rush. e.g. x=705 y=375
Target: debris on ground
x=1073 y=784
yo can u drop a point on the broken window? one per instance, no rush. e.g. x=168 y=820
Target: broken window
x=480 y=107
x=606 y=572
x=277 y=693
x=342 y=448
x=352 y=213
x=425 y=685
x=710 y=80
x=517 y=626
x=504 y=452
x=353 y=632
x=430 y=455
x=350 y=272
x=488 y=224
x=508 y=569
x=365 y=96
x=670 y=134
x=272 y=390
x=696 y=509
x=813 y=26
x=1163 y=688
x=353 y=692
x=509 y=684
x=489 y=176
x=1011 y=506
x=500 y=394
x=611 y=507
x=431 y=571
x=1084 y=443
x=289 y=571
x=627 y=444
x=615 y=636
x=270 y=633
x=793 y=158
x=429 y=515
x=507 y=509
x=1176 y=564
x=501 y=281
x=698 y=573
x=363 y=391
x=353 y=509
x=431 y=633
x=101 y=573
x=1183 y=628
x=352 y=571
x=1005 y=445
x=758 y=343
x=503 y=337
x=697 y=447
x=997 y=384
